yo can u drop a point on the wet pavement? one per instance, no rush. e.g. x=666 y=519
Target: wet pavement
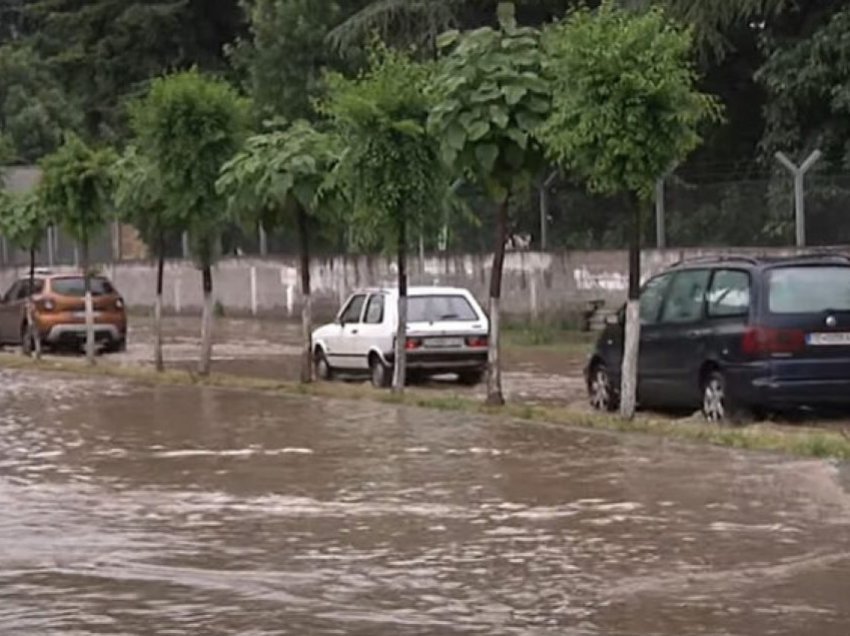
x=270 y=349
x=166 y=510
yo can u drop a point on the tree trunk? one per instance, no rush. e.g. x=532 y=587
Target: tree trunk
x=494 y=375
x=206 y=322
x=306 y=293
x=89 y=305
x=32 y=327
x=157 y=310
x=400 y=371
x=631 y=348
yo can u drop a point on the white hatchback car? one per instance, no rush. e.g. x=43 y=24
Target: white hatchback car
x=446 y=333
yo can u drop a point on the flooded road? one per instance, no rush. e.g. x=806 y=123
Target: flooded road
x=138 y=510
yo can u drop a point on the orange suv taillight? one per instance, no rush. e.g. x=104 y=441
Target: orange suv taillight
x=119 y=304
x=46 y=305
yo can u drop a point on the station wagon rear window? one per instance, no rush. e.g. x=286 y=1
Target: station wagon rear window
x=440 y=308
x=75 y=286
x=809 y=290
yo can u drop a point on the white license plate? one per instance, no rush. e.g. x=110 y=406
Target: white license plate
x=828 y=339
x=443 y=343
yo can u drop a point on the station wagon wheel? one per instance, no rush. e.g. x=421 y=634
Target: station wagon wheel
x=714 y=400
x=602 y=396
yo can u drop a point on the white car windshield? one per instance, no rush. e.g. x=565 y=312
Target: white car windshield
x=441 y=308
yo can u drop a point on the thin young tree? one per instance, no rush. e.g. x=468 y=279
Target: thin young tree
x=391 y=169
x=279 y=179
x=189 y=126
x=138 y=198
x=75 y=190
x=492 y=97
x=24 y=222
x=625 y=108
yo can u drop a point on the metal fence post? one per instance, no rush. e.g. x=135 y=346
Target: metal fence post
x=544 y=210
x=264 y=241
x=660 y=215
x=799 y=173
x=185 y=242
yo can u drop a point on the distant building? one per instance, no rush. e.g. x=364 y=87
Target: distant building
x=20 y=178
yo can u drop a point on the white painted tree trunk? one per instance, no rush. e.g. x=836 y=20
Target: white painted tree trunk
x=90 y=346
x=307 y=339
x=400 y=369
x=157 y=329
x=32 y=331
x=494 y=374
x=631 y=351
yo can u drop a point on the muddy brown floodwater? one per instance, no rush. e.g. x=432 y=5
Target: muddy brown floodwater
x=195 y=511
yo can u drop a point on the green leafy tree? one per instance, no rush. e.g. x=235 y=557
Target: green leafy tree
x=24 y=222
x=106 y=51
x=34 y=109
x=625 y=108
x=280 y=179
x=282 y=61
x=138 y=197
x=392 y=168
x=492 y=98
x=189 y=126
x=75 y=190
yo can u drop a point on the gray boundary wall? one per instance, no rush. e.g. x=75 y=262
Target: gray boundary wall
x=537 y=285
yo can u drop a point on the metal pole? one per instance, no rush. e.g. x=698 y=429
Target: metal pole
x=4 y=248
x=660 y=216
x=51 y=246
x=544 y=211
x=264 y=241
x=799 y=173
x=185 y=246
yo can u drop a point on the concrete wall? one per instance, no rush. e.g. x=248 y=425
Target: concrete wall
x=536 y=285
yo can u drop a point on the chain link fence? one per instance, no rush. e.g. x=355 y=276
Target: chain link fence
x=756 y=212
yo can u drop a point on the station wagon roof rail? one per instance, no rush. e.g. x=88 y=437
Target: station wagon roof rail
x=716 y=259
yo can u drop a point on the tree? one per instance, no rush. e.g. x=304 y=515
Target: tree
x=106 y=51
x=625 y=108
x=24 y=222
x=34 y=108
x=138 y=197
x=392 y=167
x=492 y=98
x=75 y=191
x=282 y=62
x=280 y=179
x=189 y=125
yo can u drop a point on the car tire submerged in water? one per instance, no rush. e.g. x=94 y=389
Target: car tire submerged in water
x=603 y=396
x=322 y=367
x=379 y=373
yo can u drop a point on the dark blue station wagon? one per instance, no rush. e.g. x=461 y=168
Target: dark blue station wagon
x=736 y=337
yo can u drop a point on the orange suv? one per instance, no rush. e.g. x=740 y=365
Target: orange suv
x=59 y=312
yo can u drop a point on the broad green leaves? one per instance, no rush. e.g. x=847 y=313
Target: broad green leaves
x=391 y=168
x=490 y=100
x=75 y=187
x=189 y=125
x=23 y=219
x=625 y=103
x=277 y=171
